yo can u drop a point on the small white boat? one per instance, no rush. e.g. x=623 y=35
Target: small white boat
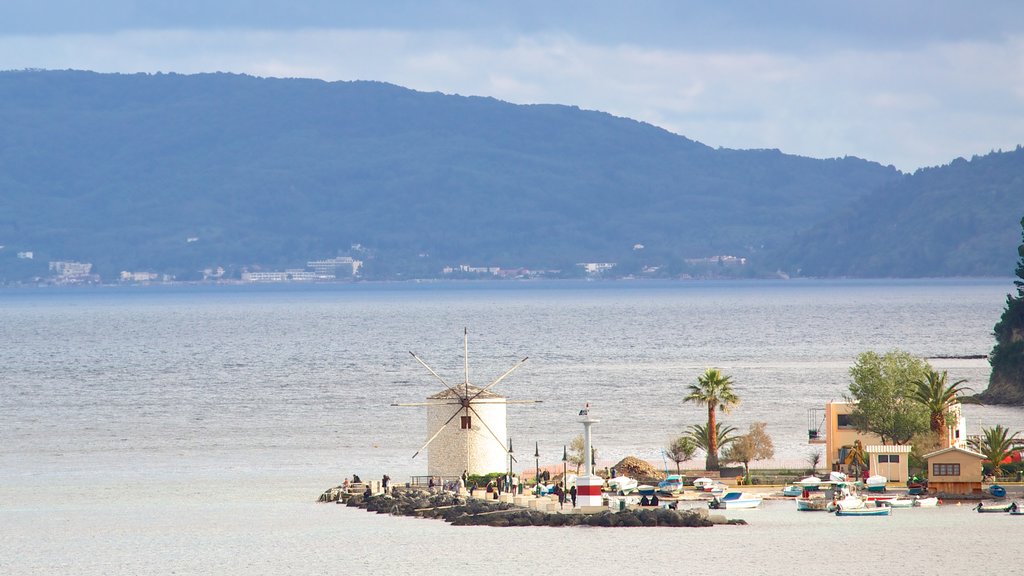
x=646 y=490
x=810 y=483
x=849 y=502
x=896 y=502
x=622 y=485
x=838 y=477
x=735 y=501
x=926 y=502
x=792 y=490
x=882 y=511
x=876 y=483
x=704 y=483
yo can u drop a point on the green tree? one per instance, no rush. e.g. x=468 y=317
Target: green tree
x=714 y=390
x=883 y=388
x=756 y=444
x=995 y=445
x=1006 y=384
x=680 y=450
x=939 y=397
x=576 y=452
x=706 y=442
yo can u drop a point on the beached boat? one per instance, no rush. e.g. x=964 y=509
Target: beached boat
x=810 y=483
x=792 y=490
x=671 y=485
x=704 y=483
x=876 y=483
x=997 y=491
x=837 y=477
x=734 y=501
x=989 y=508
x=646 y=490
x=880 y=511
x=926 y=502
x=622 y=485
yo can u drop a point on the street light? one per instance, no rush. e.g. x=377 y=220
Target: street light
x=565 y=458
x=536 y=454
x=508 y=479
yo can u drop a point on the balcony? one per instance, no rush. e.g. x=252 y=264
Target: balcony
x=815 y=425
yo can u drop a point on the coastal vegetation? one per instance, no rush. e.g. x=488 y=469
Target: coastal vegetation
x=680 y=450
x=939 y=397
x=1006 y=384
x=996 y=445
x=713 y=390
x=884 y=388
x=698 y=434
x=756 y=444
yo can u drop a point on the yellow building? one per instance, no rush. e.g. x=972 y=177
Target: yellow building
x=836 y=431
x=954 y=471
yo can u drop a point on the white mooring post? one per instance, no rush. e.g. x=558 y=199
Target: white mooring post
x=588 y=486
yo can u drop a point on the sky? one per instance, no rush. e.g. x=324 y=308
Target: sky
x=912 y=83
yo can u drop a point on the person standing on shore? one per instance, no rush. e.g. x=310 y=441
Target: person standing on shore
x=384 y=483
x=572 y=495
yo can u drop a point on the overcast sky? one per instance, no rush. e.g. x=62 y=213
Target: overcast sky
x=910 y=83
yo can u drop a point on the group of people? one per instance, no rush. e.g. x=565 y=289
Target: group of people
x=562 y=494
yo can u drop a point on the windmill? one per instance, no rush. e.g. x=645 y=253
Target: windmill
x=466 y=424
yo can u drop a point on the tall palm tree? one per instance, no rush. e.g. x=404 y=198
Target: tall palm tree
x=934 y=393
x=995 y=446
x=709 y=443
x=714 y=390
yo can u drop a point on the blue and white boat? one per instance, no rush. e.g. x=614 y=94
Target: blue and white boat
x=671 y=485
x=792 y=490
x=880 y=511
x=734 y=501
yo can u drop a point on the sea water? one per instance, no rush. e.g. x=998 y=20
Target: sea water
x=190 y=430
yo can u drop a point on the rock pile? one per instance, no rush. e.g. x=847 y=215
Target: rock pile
x=461 y=511
x=639 y=469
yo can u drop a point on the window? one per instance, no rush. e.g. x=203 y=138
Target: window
x=945 y=469
x=844 y=421
x=889 y=458
x=467 y=422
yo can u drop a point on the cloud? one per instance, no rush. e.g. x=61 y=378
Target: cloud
x=909 y=106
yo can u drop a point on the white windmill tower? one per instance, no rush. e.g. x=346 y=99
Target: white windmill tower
x=466 y=424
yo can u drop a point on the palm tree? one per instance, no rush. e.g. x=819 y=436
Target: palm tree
x=723 y=437
x=938 y=397
x=714 y=390
x=995 y=446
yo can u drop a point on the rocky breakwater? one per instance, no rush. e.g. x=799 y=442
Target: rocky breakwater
x=461 y=511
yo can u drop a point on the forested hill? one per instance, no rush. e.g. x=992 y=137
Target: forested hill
x=962 y=219
x=174 y=173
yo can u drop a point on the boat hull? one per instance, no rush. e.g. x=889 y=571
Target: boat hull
x=884 y=511
x=812 y=505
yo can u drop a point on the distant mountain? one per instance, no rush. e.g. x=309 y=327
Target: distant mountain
x=174 y=173
x=961 y=219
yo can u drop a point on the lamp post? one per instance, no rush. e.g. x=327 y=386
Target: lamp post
x=508 y=479
x=565 y=459
x=536 y=455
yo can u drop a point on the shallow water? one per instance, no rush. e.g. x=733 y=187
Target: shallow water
x=188 y=430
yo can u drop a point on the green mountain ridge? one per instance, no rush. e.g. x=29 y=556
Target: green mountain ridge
x=121 y=170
